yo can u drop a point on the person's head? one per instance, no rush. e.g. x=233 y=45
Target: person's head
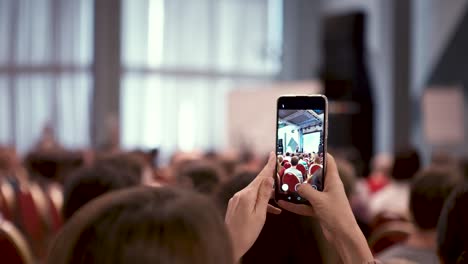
x=9 y=160
x=288 y=154
x=452 y=230
x=317 y=160
x=90 y=182
x=429 y=190
x=229 y=164
x=382 y=162
x=53 y=165
x=406 y=165
x=202 y=176
x=130 y=163
x=145 y=225
x=294 y=160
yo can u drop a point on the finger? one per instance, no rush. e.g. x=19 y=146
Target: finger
x=264 y=194
x=305 y=190
x=300 y=209
x=270 y=167
x=273 y=210
x=267 y=171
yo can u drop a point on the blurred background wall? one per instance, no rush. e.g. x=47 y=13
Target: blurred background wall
x=155 y=73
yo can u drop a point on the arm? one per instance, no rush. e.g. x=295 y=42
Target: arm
x=336 y=218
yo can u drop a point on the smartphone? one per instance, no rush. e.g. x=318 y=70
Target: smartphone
x=301 y=145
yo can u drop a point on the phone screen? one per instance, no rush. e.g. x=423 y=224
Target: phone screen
x=301 y=145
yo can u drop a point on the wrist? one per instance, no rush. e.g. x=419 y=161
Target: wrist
x=352 y=245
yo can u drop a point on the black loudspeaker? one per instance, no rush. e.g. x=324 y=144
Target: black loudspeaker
x=347 y=86
x=280 y=146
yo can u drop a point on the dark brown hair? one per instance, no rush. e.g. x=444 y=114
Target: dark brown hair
x=452 y=230
x=406 y=165
x=144 y=225
x=294 y=160
x=88 y=183
x=429 y=190
x=203 y=176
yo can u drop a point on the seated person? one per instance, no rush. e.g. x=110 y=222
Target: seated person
x=429 y=191
x=380 y=173
x=293 y=170
x=165 y=225
x=303 y=162
x=90 y=182
x=394 y=198
x=452 y=230
x=201 y=176
x=131 y=163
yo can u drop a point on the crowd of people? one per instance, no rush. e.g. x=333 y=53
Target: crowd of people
x=297 y=168
x=59 y=206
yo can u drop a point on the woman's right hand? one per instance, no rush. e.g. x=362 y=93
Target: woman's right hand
x=332 y=209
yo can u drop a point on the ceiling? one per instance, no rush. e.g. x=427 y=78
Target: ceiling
x=300 y=118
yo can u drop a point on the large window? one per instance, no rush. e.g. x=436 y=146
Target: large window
x=180 y=59
x=45 y=64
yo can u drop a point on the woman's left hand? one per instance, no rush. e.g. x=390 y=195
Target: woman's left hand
x=247 y=209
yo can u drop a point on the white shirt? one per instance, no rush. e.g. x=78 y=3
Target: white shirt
x=393 y=198
x=295 y=172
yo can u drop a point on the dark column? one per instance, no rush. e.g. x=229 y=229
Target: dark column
x=105 y=103
x=401 y=73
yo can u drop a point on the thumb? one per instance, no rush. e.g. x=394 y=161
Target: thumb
x=264 y=194
x=305 y=190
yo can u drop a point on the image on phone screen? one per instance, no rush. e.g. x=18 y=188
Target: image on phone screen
x=300 y=150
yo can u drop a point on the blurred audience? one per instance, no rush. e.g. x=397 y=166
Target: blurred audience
x=48 y=140
x=428 y=192
x=394 y=198
x=91 y=182
x=145 y=225
x=202 y=176
x=380 y=172
x=293 y=169
x=89 y=177
x=358 y=205
x=132 y=163
x=452 y=230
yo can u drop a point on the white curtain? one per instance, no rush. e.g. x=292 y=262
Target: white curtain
x=45 y=58
x=182 y=57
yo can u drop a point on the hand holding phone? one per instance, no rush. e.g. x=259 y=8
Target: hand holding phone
x=300 y=145
x=336 y=218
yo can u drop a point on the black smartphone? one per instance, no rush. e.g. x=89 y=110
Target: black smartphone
x=301 y=145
